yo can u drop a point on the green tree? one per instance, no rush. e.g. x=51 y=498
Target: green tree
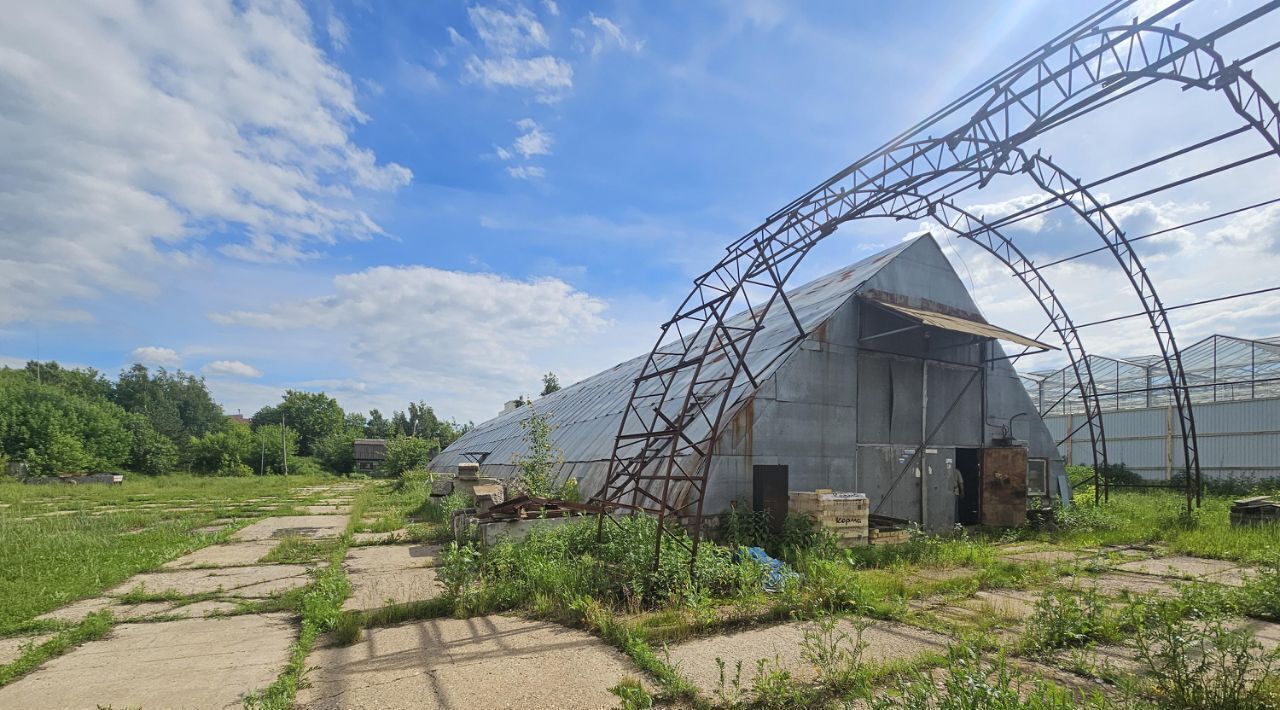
x=407 y=453
x=337 y=450
x=550 y=383
x=224 y=452
x=378 y=426
x=313 y=415
x=150 y=452
x=177 y=404
x=56 y=432
x=276 y=449
x=87 y=383
x=537 y=465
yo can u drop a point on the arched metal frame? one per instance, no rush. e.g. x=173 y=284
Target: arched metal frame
x=1065 y=79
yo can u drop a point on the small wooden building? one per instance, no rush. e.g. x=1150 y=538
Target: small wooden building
x=369 y=455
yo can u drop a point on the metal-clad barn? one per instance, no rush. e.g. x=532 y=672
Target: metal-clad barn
x=896 y=356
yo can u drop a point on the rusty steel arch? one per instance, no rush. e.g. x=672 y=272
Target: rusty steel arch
x=673 y=397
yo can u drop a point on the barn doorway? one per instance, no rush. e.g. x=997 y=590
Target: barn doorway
x=968 y=511
x=769 y=485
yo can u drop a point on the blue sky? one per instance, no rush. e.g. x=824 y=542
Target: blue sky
x=440 y=201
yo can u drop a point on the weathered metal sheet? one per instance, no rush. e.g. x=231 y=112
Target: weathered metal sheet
x=961 y=324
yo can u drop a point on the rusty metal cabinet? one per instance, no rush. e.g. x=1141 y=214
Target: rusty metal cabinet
x=1004 y=486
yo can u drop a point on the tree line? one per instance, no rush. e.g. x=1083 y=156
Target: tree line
x=63 y=420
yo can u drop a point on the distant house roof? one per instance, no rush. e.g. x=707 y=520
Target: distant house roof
x=239 y=418
x=370 y=449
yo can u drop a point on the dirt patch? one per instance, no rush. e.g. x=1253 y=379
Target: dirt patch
x=485 y=662
x=205 y=663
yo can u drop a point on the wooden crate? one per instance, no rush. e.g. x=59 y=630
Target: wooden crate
x=845 y=514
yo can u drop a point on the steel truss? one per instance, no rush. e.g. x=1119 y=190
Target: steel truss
x=663 y=451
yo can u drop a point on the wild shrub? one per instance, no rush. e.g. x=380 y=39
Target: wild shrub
x=1203 y=664
x=566 y=562
x=969 y=681
x=1260 y=595
x=744 y=527
x=836 y=654
x=1066 y=618
x=537 y=465
x=632 y=695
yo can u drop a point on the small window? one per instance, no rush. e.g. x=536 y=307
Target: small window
x=1037 y=477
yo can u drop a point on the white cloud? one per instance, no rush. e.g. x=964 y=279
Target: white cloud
x=456 y=38
x=996 y=210
x=552 y=8
x=231 y=368
x=546 y=74
x=526 y=172
x=464 y=336
x=513 y=54
x=534 y=140
x=131 y=129
x=508 y=32
x=156 y=356
x=605 y=34
x=337 y=30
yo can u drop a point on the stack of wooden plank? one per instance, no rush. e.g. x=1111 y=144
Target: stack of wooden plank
x=844 y=514
x=1259 y=510
x=884 y=530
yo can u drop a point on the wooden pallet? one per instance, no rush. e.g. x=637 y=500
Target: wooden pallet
x=846 y=515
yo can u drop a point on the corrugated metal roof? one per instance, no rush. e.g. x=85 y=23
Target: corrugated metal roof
x=585 y=416
x=961 y=325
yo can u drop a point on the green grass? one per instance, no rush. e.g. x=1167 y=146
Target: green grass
x=301 y=550
x=93 y=626
x=51 y=561
x=321 y=609
x=1159 y=518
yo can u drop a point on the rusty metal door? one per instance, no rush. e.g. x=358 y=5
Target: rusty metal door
x=1004 y=486
x=769 y=493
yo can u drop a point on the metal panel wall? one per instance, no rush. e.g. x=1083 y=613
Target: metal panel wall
x=1237 y=439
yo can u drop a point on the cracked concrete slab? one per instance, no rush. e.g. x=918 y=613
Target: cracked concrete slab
x=1048 y=557
x=480 y=663
x=385 y=558
x=195 y=663
x=327 y=509
x=259 y=581
x=12 y=648
x=1011 y=604
x=287 y=525
x=371 y=538
x=886 y=641
x=205 y=608
x=232 y=554
x=1117 y=583
x=376 y=590
x=1180 y=566
x=391 y=574
x=75 y=611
